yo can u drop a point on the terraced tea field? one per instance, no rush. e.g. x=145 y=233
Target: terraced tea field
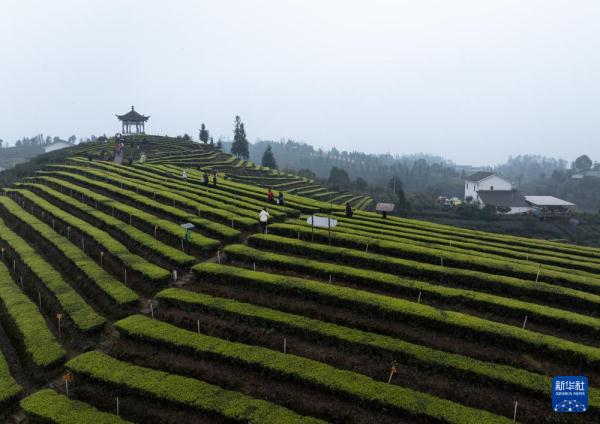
x=109 y=313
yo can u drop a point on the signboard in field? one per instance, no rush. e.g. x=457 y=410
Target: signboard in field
x=384 y=207
x=322 y=221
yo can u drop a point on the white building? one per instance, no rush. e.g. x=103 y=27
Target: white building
x=56 y=146
x=484 y=181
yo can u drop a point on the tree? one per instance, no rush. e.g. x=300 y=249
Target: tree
x=339 y=177
x=1 y=141
x=48 y=139
x=203 y=134
x=360 y=184
x=583 y=163
x=72 y=139
x=239 y=146
x=396 y=187
x=307 y=173
x=268 y=159
x=212 y=142
x=219 y=145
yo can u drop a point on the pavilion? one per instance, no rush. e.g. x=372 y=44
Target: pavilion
x=132 y=120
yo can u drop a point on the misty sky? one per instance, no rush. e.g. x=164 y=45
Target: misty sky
x=473 y=81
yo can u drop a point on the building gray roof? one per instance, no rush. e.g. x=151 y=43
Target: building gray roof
x=503 y=198
x=478 y=176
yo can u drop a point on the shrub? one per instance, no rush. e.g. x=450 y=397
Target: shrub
x=50 y=407
x=183 y=390
x=391 y=308
x=354 y=385
x=39 y=343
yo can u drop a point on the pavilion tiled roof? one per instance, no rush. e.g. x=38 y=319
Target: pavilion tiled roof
x=133 y=116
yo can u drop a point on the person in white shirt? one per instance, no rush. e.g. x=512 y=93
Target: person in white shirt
x=263 y=218
x=184 y=175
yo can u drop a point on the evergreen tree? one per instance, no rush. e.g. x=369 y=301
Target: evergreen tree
x=268 y=159
x=203 y=134
x=219 y=145
x=212 y=142
x=583 y=163
x=338 y=177
x=396 y=187
x=239 y=146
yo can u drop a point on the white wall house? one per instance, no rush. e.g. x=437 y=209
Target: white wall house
x=484 y=181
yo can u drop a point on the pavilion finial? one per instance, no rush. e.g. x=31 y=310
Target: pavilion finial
x=132 y=107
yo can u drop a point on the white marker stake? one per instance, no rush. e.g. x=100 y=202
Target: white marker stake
x=219 y=257
x=198 y=326
x=515 y=415
x=537 y=277
x=528 y=257
x=232 y=223
x=118 y=406
x=151 y=310
x=419 y=299
x=524 y=322
x=82 y=243
x=101 y=256
x=181 y=244
x=329 y=278
x=14 y=265
x=40 y=300
x=367 y=248
x=155 y=229
x=174 y=275
x=67 y=386
x=254 y=266
x=129 y=219
x=284 y=345
x=21 y=278
x=69 y=232
x=298 y=235
x=125 y=276
x=391 y=375
x=3 y=253
x=441 y=261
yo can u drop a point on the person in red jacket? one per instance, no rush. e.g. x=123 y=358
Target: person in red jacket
x=270 y=196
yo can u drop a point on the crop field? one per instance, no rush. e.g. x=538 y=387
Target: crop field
x=110 y=312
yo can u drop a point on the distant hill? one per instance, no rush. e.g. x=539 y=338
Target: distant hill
x=11 y=156
x=418 y=172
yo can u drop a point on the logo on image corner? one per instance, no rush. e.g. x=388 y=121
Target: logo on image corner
x=570 y=393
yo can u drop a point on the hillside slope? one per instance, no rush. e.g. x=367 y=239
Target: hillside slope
x=387 y=321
